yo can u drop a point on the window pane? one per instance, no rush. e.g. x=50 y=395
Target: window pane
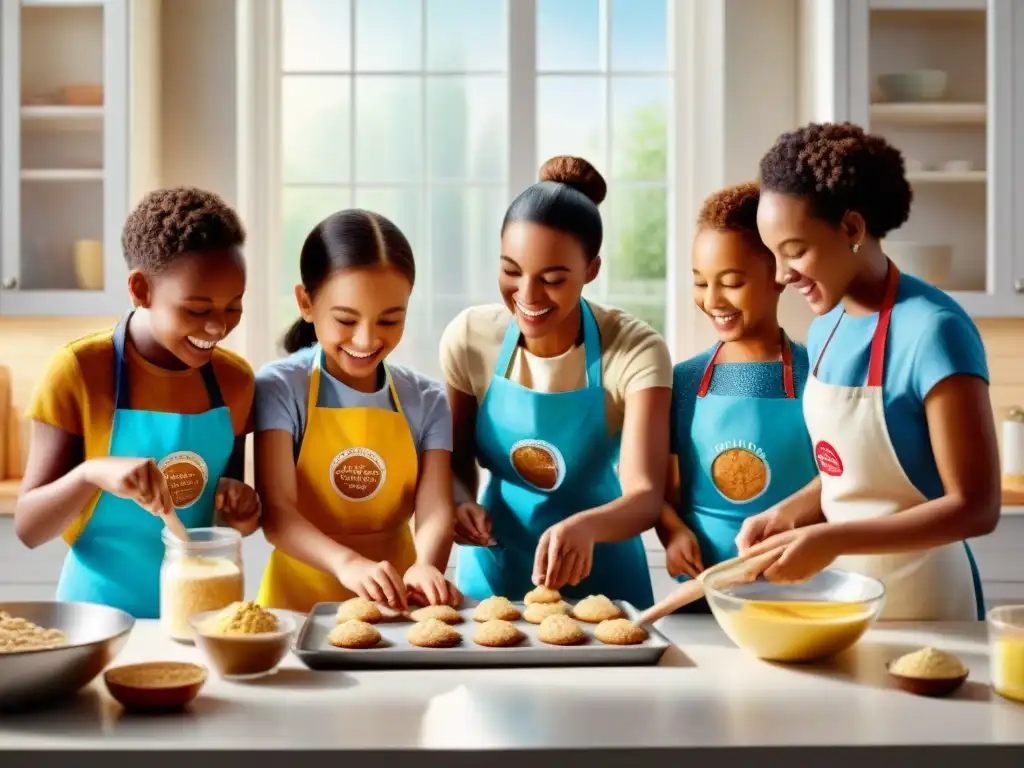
x=402 y=206
x=316 y=35
x=639 y=30
x=302 y=208
x=465 y=237
x=315 y=129
x=389 y=134
x=467 y=126
x=389 y=35
x=652 y=314
x=640 y=128
x=570 y=118
x=467 y=35
x=636 y=244
x=569 y=37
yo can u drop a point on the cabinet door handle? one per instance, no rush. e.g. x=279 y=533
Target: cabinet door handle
x=1018 y=285
x=10 y=283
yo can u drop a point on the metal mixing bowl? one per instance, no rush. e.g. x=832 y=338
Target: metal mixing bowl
x=811 y=620
x=96 y=634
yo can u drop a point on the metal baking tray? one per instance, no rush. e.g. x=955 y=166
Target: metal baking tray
x=395 y=652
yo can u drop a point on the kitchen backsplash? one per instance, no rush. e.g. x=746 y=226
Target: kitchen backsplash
x=26 y=345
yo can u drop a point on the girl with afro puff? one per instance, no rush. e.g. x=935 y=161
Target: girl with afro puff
x=146 y=419
x=738 y=437
x=897 y=401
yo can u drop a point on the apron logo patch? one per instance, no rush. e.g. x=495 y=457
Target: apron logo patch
x=828 y=459
x=539 y=463
x=186 y=475
x=740 y=471
x=357 y=474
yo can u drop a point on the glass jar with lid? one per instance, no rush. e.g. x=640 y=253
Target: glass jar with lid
x=202 y=574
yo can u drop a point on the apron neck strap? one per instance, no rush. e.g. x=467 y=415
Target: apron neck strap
x=121 y=385
x=314 y=383
x=876 y=361
x=591 y=346
x=787 y=369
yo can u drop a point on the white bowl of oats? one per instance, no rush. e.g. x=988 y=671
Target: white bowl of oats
x=50 y=649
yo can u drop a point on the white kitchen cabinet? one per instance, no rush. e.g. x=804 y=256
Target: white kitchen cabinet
x=79 y=99
x=964 y=164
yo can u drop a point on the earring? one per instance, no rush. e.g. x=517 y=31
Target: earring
x=855 y=247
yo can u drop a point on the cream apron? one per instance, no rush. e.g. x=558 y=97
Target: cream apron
x=861 y=478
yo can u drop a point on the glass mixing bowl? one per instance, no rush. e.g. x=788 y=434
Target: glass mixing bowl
x=794 y=622
x=1006 y=650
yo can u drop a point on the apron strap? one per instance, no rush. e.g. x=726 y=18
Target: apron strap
x=787 y=369
x=313 y=398
x=591 y=346
x=121 y=387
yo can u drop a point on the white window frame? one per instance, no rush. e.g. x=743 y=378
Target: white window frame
x=696 y=151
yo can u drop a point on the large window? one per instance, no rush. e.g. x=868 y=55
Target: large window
x=436 y=113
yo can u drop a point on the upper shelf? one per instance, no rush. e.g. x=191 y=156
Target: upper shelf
x=925 y=113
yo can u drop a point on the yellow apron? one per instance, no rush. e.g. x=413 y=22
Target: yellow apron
x=356 y=475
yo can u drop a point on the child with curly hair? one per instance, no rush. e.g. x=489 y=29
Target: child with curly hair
x=119 y=411
x=897 y=401
x=738 y=439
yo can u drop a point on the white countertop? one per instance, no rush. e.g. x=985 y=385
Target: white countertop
x=705 y=694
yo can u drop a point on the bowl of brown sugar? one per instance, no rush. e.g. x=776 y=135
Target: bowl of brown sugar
x=244 y=641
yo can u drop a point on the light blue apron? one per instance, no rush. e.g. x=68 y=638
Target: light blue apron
x=116 y=559
x=569 y=430
x=767 y=434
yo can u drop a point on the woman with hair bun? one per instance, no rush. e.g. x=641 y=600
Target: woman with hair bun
x=897 y=401
x=545 y=389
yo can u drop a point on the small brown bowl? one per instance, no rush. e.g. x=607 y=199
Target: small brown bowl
x=927 y=686
x=244 y=657
x=155 y=686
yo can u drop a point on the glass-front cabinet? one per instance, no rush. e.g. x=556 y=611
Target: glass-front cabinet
x=69 y=169
x=938 y=79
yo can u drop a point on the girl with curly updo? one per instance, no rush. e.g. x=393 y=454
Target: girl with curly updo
x=738 y=440
x=546 y=388
x=897 y=402
x=146 y=419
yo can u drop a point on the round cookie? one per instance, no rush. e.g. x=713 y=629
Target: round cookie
x=444 y=613
x=497 y=634
x=496 y=608
x=431 y=633
x=560 y=629
x=535 y=613
x=596 y=608
x=739 y=474
x=358 y=608
x=542 y=594
x=354 y=634
x=620 y=632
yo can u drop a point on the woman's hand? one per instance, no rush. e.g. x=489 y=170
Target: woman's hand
x=473 y=526
x=807 y=552
x=378 y=582
x=427 y=586
x=238 y=505
x=682 y=553
x=565 y=554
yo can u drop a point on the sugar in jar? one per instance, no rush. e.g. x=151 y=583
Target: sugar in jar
x=202 y=574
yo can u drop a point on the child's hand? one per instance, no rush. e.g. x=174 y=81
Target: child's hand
x=682 y=554
x=238 y=505
x=427 y=585
x=377 y=582
x=136 y=479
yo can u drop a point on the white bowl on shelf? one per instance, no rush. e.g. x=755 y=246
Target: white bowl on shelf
x=930 y=262
x=914 y=86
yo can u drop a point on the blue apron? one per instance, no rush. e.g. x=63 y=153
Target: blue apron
x=116 y=560
x=550 y=456
x=764 y=454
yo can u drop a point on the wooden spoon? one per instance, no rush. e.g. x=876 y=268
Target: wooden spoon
x=173 y=522
x=693 y=590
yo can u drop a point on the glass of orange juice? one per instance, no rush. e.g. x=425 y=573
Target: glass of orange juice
x=1006 y=650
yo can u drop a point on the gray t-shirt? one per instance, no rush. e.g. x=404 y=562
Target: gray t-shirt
x=282 y=391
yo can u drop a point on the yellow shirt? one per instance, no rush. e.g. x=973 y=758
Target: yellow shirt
x=634 y=357
x=76 y=394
